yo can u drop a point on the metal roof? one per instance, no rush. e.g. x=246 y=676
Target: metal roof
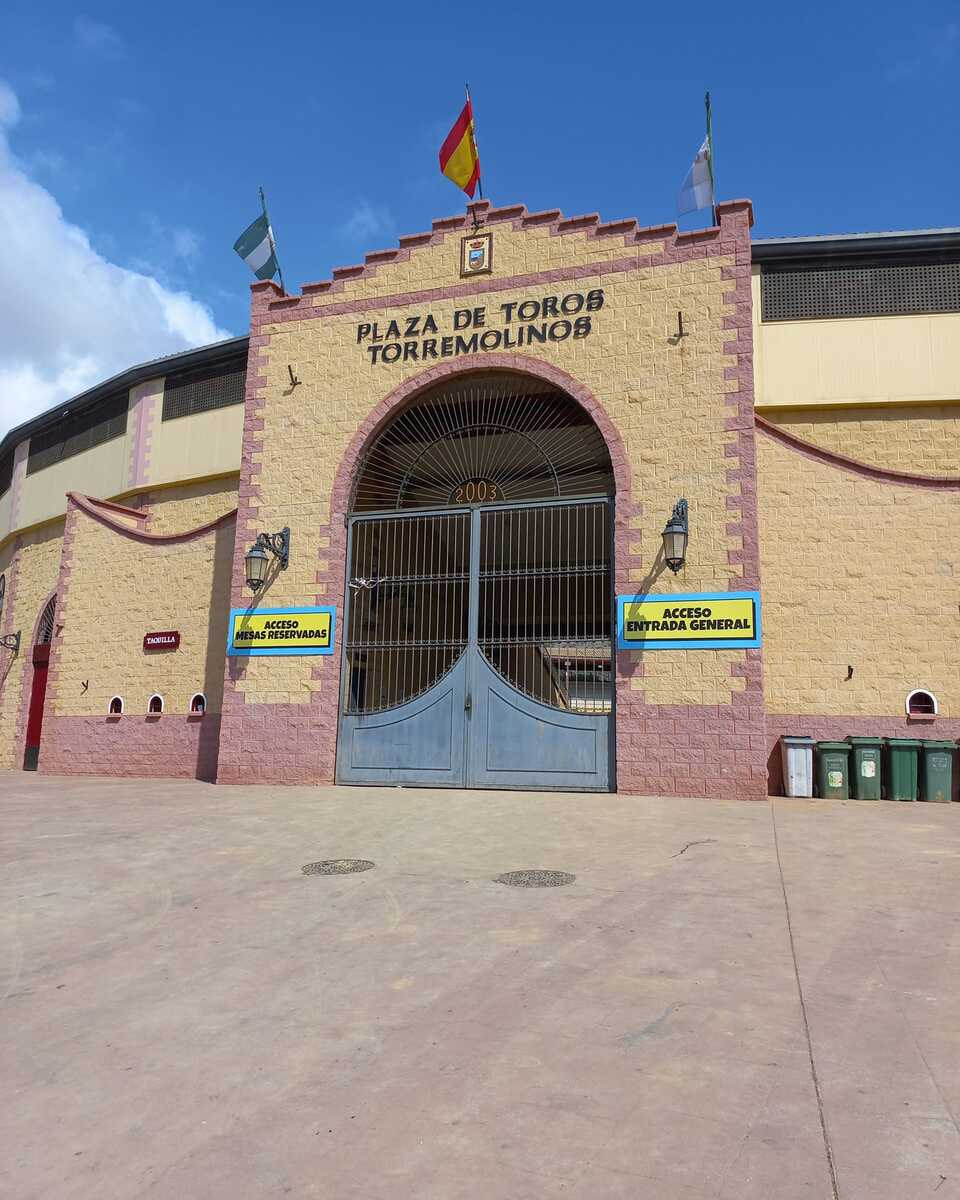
x=847 y=237
x=827 y=248
x=838 y=249
x=183 y=360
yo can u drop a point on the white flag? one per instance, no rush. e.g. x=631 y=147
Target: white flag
x=697 y=189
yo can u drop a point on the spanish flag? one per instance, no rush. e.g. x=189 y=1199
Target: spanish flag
x=459 y=159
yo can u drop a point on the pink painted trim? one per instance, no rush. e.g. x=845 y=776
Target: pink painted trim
x=26 y=679
x=678 y=246
x=100 y=511
x=9 y=600
x=20 y=455
x=178 y=746
x=144 y=399
x=113 y=506
x=833 y=459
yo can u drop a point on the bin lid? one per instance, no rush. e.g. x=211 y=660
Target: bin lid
x=907 y=743
x=932 y=744
x=791 y=739
x=865 y=741
x=844 y=746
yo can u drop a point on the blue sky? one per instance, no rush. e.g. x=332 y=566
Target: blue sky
x=145 y=130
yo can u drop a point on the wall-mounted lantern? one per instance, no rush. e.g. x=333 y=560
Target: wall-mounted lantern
x=257 y=560
x=675 y=536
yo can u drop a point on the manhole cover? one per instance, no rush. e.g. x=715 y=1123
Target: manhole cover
x=535 y=878
x=338 y=866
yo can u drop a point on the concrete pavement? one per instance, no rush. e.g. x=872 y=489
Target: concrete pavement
x=186 y=1014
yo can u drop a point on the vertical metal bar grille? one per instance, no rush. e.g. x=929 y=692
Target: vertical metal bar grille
x=409 y=592
x=544 y=615
x=45 y=628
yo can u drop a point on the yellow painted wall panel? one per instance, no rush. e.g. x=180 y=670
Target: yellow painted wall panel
x=920 y=439
x=855 y=572
x=203 y=444
x=101 y=471
x=120 y=589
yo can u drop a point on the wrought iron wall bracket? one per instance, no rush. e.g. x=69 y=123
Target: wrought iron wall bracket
x=11 y=641
x=278 y=544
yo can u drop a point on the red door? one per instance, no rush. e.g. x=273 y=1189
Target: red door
x=41 y=663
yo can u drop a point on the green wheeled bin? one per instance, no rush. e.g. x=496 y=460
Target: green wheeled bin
x=901 y=773
x=833 y=770
x=865 y=777
x=936 y=773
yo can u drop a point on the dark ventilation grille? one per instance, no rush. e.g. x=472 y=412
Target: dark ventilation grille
x=200 y=391
x=74 y=434
x=6 y=471
x=860 y=292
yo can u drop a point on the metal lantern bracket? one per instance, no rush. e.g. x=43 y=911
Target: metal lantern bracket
x=278 y=544
x=679 y=516
x=11 y=641
x=678 y=524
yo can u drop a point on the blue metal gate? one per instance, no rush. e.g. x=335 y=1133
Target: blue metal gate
x=477 y=648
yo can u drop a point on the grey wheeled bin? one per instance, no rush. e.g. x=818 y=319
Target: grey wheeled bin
x=796 y=755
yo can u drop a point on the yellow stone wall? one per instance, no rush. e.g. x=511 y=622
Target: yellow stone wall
x=855 y=572
x=664 y=395
x=922 y=439
x=179 y=509
x=36 y=566
x=121 y=588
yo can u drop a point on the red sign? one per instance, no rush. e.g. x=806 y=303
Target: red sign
x=169 y=640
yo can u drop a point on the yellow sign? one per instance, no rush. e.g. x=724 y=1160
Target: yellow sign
x=281 y=630
x=701 y=621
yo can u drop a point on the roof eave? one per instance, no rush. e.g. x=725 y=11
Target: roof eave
x=199 y=357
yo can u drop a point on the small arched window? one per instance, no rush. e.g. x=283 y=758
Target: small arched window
x=116 y=706
x=156 y=705
x=198 y=705
x=3 y=591
x=45 y=628
x=921 y=703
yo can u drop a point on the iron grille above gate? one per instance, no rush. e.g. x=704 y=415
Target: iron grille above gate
x=488 y=438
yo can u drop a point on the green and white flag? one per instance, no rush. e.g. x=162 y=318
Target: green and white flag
x=257 y=249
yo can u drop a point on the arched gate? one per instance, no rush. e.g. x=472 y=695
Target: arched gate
x=478 y=623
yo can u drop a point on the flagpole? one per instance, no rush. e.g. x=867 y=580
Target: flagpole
x=713 y=182
x=473 y=134
x=476 y=149
x=273 y=244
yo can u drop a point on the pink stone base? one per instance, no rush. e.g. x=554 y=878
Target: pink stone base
x=718 y=751
x=838 y=729
x=172 y=746
x=278 y=743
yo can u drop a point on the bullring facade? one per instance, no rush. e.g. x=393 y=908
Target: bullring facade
x=475 y=440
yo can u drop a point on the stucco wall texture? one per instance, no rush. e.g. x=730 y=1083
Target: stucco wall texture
x=117 y=582
x=676 y=413
x=32 y=564
x=857 y=572
x=922 y=439
x=856 y=564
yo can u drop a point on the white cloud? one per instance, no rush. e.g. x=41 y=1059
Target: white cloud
x=70 y=318
x=97 y=38
x=368 y=221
